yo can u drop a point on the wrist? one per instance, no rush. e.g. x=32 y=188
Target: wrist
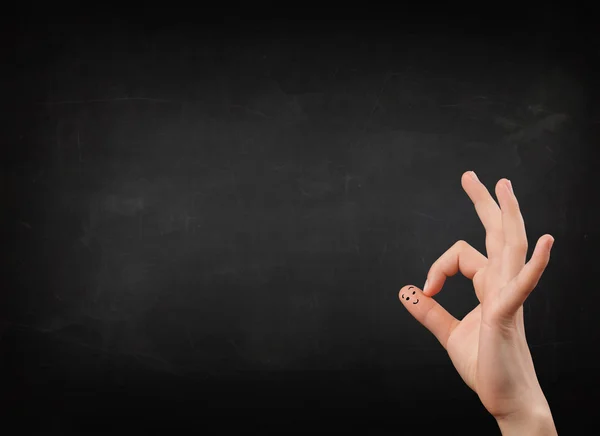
x=532 y=422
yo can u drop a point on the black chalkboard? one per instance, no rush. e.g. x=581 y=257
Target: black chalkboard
x=222 y=221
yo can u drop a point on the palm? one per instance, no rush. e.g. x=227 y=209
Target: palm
x=463 y=341
x=488 y=346
x=463 y=346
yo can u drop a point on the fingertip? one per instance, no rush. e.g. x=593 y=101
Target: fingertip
x=549 y=245
x=468 y=176
x=430 y=286
x=545 y=242
x=407 y=292
x=428 y=292
x=500 y=185
x=404 y=289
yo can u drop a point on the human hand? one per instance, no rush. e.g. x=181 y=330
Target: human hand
x=488 y=346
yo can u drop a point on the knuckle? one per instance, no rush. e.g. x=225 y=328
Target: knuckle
x=518 y=245
x=522 y=246
x=461 y=244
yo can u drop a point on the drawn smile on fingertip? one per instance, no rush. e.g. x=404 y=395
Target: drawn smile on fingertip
x=408 y=298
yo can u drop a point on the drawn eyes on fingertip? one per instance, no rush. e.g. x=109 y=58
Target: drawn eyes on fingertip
x=407 y=297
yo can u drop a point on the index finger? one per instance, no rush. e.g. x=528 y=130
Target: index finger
x=460 y=257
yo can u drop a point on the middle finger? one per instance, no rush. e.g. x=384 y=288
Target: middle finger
x=488 y=212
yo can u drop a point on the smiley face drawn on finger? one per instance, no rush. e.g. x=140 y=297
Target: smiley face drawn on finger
x=407 y=297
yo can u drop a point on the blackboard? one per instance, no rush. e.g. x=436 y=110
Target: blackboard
x=223 y=223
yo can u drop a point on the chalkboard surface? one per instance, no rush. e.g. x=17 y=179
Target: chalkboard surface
x=197 y=223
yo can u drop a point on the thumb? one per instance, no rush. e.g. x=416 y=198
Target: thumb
x=428 y=312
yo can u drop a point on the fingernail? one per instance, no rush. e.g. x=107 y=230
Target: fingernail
x=425 y=286
x=510 y=186
x=550 y=244
x=474 y=176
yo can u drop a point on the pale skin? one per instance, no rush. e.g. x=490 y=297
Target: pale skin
x=488 y=346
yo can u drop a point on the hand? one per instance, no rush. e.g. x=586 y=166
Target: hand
x=488 y=346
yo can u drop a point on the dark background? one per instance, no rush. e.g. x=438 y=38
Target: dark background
x=207 y=217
